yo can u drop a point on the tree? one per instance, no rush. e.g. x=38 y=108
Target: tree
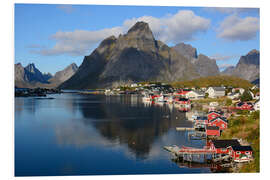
x=228 y=102
x=246 y=96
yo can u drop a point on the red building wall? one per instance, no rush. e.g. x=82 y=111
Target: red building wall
x=212 y=132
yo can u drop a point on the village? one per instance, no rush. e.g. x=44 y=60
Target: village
x=217 y=105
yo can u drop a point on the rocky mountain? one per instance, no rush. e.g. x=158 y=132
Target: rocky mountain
x=62 y=76
x=31 y=77
x=32 y=74
x=203 y=64
x=248 y=66
x=228 y=70
x=134 y=56
x=47 y=76
x=187 y=50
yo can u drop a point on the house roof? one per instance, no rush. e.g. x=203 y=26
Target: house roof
x=202 y=118
x=220 y=117
x=242 y=103
x=183 y=99
x=198 y=92
x=219 y=88
x=224 y=143
x=217 y=112
x=242 y=148
x=212 y=127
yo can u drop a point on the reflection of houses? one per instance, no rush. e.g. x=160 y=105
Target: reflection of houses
x=214 y=92
x=195 y=94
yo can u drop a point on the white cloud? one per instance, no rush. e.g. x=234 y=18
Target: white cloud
x=78 y=42
x=220 y=57
x=175 y=28
x=235 y=28
x=223 y=66
x=181 y=26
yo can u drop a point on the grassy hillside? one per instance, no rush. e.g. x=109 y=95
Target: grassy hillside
x=246 y=127
x=214 y=81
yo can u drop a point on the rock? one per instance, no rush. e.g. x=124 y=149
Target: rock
x=132 y=57
x=248 y=66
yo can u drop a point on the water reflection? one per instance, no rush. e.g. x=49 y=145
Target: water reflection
x=128 y=121
x=76 y=134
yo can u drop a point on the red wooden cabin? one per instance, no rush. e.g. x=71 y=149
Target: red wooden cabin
x=221 y=146
x=240 y=153
x=221 y=122
x=182 y=92
x=244 y=106
x=212 y=131
x=213 y=114
x=201 y=120
x=184 y=101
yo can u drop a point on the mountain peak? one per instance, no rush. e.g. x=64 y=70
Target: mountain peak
x=141 y=29
x=140 y=25
x=253 y=51
x=31 y=67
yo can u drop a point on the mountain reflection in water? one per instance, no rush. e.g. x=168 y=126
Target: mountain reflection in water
x=76 y=134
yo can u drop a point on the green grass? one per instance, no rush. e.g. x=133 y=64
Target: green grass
x=214 y=81
x=246 y=127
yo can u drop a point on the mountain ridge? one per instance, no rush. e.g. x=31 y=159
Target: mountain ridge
x=134 y=56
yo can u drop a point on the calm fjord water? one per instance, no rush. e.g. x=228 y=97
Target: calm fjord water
x=75 y=134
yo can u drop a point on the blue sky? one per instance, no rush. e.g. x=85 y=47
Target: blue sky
x=54 y=36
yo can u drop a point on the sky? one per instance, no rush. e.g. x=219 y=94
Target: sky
x=52 y=36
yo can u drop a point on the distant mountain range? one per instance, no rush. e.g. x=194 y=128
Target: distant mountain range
x=133 y=57
x=31 y=77
x=247 y=68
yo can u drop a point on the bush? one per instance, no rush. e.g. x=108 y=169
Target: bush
x=228 y=102
x=246 y=96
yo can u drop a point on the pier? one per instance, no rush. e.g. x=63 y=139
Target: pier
x=185 y=128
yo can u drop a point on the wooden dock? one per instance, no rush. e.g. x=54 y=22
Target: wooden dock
x=188 y=150
x=185 y=129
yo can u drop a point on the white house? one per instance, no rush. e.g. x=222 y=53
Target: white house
x=134 y=85
x=241 y=90
x=257 y=105
x=233 y=95
x=195 y=94
x=216 y=92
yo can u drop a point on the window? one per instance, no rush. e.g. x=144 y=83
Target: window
x=247 y=152
x=238 y=152
x=223 y=125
